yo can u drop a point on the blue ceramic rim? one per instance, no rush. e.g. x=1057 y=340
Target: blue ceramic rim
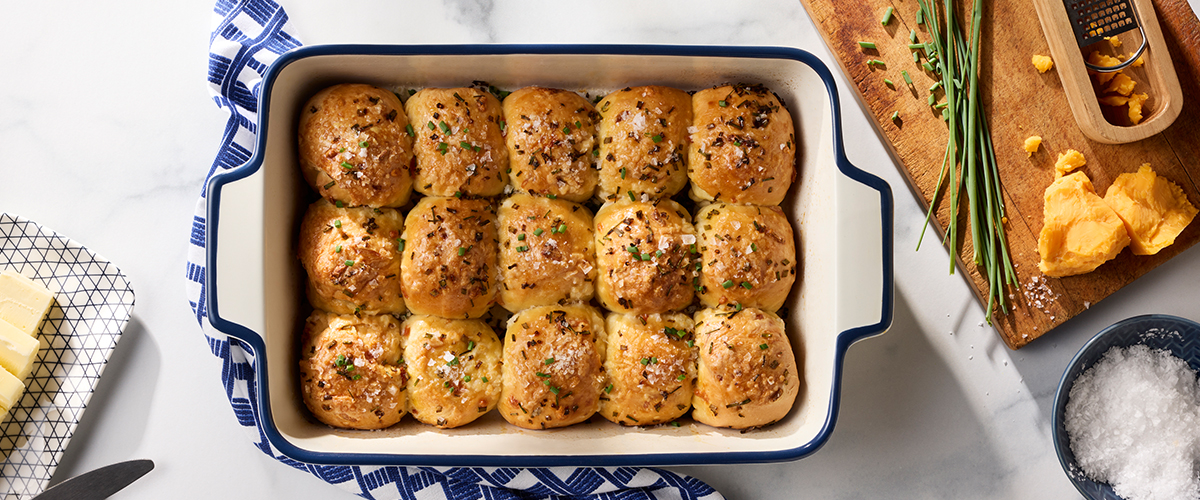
x=1072 y=371
x=257 y=344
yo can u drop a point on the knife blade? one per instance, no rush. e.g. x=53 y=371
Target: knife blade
x=98 y=484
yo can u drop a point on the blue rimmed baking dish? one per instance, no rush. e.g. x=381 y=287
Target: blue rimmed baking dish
x=842 y=216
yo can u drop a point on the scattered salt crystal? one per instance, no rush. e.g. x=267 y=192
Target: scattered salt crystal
x=1133 y=420
x=1087 y=305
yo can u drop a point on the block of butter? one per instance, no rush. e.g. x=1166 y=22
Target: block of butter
x=18 y=350
x=11 y=389
x=23 y=302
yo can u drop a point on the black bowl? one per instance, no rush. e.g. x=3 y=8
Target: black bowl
x=1157 y=331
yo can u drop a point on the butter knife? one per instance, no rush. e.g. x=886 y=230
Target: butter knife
x=100 y=483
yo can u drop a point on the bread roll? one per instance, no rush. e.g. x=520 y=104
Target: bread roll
x=351 y=371
x=448 y=267
x=643 y=138
x=547 y=252
x=459 y=144
x=747 y=254
x=747 y=374
x=355 y=147
x=644 y=256
x=651 y=368
x=551 y=137
x=553 y=366
x=453 y=369
x=352 y=258
x=743 y=147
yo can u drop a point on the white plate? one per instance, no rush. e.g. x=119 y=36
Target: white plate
x=92 y=304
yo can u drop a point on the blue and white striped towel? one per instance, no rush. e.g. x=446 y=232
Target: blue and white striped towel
x=249 y=35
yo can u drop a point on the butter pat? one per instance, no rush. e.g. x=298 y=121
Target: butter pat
x=11 y=389
x=23 y=302
x=18 y=350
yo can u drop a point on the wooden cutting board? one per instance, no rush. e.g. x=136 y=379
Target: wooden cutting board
x=1020 y=102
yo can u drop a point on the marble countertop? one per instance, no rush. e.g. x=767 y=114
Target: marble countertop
x=936 y=408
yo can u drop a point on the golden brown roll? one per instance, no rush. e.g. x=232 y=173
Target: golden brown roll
x=459 y=144
x=743 y=147
x=453 y=369
x=644 y=257
x=651 y=368
x=747 y=374
x=352 y=257
x=351 y=370
x=551 y=137
x=355 y=146
x=547 y=252
x=448 y=267
x=747 y=255
x=553 y=366
x=643 y=137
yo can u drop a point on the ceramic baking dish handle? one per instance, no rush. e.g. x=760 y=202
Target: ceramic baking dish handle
x=864 y=229
x=235 y=260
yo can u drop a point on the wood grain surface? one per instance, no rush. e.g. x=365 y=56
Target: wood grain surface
x=1020 y=102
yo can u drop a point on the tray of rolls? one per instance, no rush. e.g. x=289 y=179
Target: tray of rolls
x=517 y=255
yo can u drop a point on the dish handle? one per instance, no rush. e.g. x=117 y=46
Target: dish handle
x=235 y=261
x=864 y=242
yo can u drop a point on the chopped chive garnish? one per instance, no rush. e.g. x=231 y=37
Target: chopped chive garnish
x=470 y=345
x=347 y=165
x=727 y=284
x=631 y=198
x=747 y=285
x=912 y=35
x=337 y=223
x=462 y=251
x=408 y=128
x=467 y=378
x=932 y=99
x=400 y=243
x=907 y=79
x=754 y=247
x=722 y=103
x=445 y=128
x=443 y=147
x=763 y=346
x=895 y=115
x=548 y=361
x=916 y=46
x=431 y=126
x=927 y=66
x=633 y=249
x=622 y=172
x=562 y=228
x=887 y=16
x=876 y=62
x=464 y=145
x=521 y=237
x=337 y=249
x=567 y=129
x=920 y=17
x=888 y=83
x=349 y=263
x=330 y=184
x=657 y=138
x=338 y=203
x=680 y=378
x=538 y=231
x=866 y=45
x=484 y=379
x=523 y=248
x=935 y=86
x=608 y=389
x=552 y=196
x=364 y=144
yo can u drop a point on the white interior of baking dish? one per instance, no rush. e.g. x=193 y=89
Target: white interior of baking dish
x=837 y=220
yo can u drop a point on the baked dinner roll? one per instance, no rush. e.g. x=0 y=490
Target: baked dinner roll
x=553 y=366
x=651 y=368
x=747 y=374
x=645 y=257
x=453 y=369
x=643 y=138
x=551 y=137
x=352 y=257
x=743 y=147
x=459 y=145
x=448 y=267
x=351 y=370
x=547 y=252
x=747 y=255
x=355 y=146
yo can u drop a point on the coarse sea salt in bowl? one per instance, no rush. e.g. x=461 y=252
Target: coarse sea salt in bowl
x=1160 y=462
